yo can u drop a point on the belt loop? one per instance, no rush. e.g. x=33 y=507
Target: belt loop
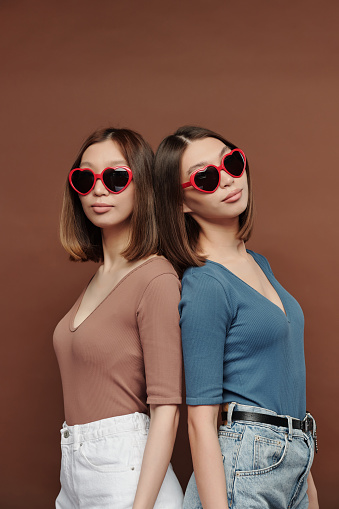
x=75 y=437
x=230 y=413
x=290 y=429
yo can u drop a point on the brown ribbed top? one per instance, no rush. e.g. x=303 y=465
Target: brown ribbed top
x=127 y=353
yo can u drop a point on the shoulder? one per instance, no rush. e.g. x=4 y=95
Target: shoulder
x=203 y=282
x=155 y=267
x=157 y=278
x=206 y=299
x=211 y=275
x=260 y=259
x=210 y=270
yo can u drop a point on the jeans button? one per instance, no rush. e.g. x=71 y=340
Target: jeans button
x=66 y=434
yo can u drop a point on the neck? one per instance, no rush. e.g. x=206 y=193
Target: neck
x=114 y=242
x=220 y=240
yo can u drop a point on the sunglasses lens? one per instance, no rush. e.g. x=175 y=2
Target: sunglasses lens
x=234 y=163
x=208 y=179
x=82 y=180
x=115 y=179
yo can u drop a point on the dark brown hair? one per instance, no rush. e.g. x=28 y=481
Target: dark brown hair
x=80 y=237
x=179 y=232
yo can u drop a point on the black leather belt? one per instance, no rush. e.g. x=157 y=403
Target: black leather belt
x=305 y=425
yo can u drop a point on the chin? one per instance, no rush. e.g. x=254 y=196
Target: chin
x=105 y=223
x=240 y=206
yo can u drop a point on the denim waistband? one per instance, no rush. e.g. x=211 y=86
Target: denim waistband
x=104 y=427
x=254 y=409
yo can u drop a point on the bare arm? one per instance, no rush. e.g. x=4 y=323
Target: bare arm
x=206 y=455
x=312 y=493
x=157 y=455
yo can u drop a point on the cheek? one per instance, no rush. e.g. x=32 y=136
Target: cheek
x=244 y=200
x=201 y=204
x=84 y=200
x=243 y=183
x=128 y=197
x=244 y=179
x=193 y=200
x=246 y=186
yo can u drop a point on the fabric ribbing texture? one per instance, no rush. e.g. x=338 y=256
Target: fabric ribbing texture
x=238 y=345
x=127 y=353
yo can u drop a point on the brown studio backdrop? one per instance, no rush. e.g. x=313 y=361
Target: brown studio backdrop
x=262 y=73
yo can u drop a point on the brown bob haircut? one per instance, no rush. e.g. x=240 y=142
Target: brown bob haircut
x=179 y=232
x=81 y=238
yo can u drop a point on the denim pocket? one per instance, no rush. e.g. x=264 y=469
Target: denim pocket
x=263 y=450
x=109 y=454
x=267 y=452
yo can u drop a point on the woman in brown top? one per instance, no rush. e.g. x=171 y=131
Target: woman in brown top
x=119 y=347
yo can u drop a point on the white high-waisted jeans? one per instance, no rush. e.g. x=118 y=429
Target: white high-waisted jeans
x=101 y=463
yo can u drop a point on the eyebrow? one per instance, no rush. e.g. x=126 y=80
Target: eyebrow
x=204 y=163
x=111 y=164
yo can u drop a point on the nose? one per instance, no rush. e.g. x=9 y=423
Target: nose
x=99 y=189
x=225 y=179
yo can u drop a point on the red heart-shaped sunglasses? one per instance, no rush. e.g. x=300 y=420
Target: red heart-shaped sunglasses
x=207 y=179
x=115 y=180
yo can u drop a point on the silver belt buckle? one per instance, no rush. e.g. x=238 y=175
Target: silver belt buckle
x=311 y=425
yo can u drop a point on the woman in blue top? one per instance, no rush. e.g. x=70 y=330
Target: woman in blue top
x=242 y=334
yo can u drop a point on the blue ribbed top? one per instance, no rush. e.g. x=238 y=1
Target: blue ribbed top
x=238 y=345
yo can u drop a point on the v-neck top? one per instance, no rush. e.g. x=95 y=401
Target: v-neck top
x=240 y=346
x=127 y=353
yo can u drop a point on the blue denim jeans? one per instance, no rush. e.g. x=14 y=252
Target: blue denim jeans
x=266 y=467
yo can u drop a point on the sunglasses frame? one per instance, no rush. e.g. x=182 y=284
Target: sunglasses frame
x=218 y=168
x=100 y=177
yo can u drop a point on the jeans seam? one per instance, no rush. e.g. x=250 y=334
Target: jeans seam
x=306 y=473
x=237 y=437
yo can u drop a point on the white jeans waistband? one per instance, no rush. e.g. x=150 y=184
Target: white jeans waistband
x=104 y=427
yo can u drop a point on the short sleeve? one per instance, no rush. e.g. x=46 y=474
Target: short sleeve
x=204 y=321
x=158 y=322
